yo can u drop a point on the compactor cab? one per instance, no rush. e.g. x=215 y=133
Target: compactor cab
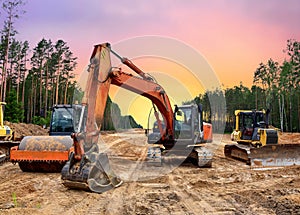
x=61 y=120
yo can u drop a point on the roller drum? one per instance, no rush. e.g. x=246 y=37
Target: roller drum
x=46 y=143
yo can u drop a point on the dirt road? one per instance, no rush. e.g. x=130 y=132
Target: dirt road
x=229 y=187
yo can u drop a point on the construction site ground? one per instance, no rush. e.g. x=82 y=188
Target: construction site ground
x=229 y=187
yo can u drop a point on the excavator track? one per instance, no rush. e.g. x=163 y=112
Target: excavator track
x=204 y=157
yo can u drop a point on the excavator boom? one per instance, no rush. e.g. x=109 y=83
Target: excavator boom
x=87 y=168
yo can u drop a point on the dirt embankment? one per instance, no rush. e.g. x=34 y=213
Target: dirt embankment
x=229 y=187
x=22 y=129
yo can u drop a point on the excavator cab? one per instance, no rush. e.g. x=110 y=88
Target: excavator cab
x=185 y=122
x=188 y=126
x=190 y=132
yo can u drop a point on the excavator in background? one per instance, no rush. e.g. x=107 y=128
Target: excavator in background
x=88 y=168
x=257 y=143
x=47 y=153
x=7 y=139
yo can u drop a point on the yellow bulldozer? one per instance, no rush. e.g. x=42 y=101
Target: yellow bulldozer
x=6 y=132
x=6 y=136
x=257 y=143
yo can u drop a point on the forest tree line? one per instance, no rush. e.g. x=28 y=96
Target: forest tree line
x=275 y=87
x=33 y=79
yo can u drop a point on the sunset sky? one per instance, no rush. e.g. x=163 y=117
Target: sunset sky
x=234 y=36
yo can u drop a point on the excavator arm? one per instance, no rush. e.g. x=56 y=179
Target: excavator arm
x=87 y=168
x=152 y=91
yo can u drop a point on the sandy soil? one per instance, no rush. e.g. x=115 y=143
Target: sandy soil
x=22 y=129
x=229 y=187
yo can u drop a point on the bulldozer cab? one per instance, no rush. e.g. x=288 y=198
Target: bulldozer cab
x=248 y=123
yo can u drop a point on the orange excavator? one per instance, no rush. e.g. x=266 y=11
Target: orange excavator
x=181 y=131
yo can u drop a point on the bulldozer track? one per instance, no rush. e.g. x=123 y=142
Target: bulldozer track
x=5 y=146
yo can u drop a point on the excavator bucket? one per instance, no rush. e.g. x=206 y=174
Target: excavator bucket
x=42 y=153
x=92 y=173
x=275 y=155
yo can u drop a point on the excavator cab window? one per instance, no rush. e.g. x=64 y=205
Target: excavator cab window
x=183 y=123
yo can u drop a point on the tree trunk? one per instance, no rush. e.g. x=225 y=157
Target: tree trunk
x=298 y=105
x=24 y=82
x=291 y=115
x=18 y=79
x=41 y=90
x=285 y=117
x=56 y=89
x=280 y=113
x=34 y=98
x=30 y=106
x=66 y=89
x=57 y=83
x=6 y=57
x=46 y=92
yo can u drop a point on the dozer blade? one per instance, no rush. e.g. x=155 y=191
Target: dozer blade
x=92 y=173
x=275 y=155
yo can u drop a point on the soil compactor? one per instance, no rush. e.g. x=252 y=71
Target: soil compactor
x=88 y=168
x=47 y=153
x=257 y=143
